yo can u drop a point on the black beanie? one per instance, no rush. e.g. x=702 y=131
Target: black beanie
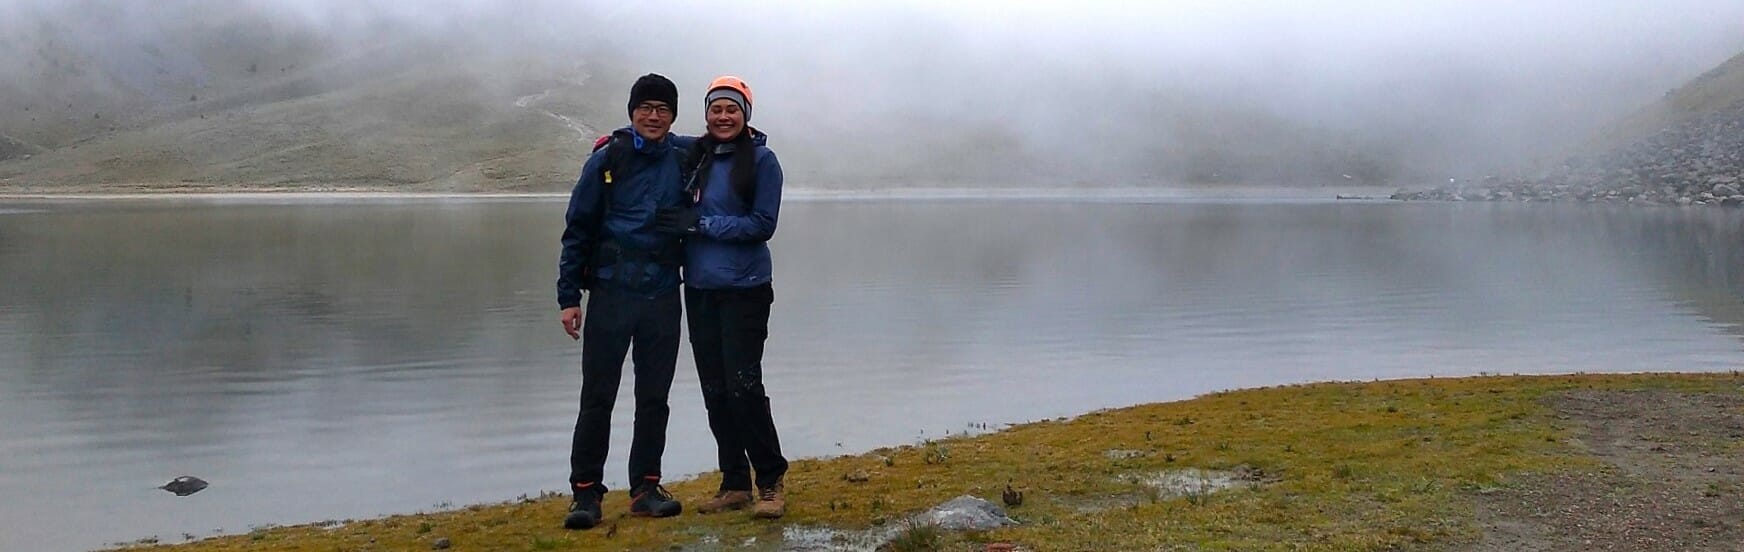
x=653 y=87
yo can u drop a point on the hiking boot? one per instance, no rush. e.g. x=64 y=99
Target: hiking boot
x=584 y=512
x=771 y=502
x=726 y=500
x=652 y=500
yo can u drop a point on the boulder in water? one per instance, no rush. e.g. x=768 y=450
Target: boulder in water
x=184 y=485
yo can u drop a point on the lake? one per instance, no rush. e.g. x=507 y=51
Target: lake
x=326 y=358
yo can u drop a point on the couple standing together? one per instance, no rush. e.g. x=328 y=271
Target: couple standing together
x=648 y=206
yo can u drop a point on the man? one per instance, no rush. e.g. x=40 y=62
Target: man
x=611 y=249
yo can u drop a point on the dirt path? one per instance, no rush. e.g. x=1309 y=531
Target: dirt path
x=1672 y=479
x=526 y=102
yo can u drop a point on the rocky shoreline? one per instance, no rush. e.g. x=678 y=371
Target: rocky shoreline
x=1697 y=162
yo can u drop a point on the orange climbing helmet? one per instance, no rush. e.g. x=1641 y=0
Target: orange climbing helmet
x=732 y=88
x=735 y=83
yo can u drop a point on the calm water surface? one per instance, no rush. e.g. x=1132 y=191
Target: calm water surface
x=331 y=359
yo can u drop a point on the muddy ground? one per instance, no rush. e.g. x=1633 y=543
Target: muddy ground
x=1671 y=478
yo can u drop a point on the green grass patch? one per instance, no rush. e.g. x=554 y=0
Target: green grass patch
x=1337 y=466
x=917 y=537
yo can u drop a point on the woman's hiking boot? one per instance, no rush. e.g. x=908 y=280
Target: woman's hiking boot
x=771 y=502
x=726 y=500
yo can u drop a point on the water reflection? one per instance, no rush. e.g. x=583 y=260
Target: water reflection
x=355 y=358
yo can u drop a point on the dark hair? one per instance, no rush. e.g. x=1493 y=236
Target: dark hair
x=744 y=171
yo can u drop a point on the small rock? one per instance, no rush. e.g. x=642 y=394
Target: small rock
x=857 y=476
x=441 y=544
x=966 y=513
x=1724 y=190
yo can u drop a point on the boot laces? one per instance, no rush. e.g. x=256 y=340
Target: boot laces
x=658 y=490
x=579 y=503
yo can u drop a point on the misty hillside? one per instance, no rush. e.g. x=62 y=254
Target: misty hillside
x=1719 y=89
x=484 y=96
x=239 y=101
x=421 y=125
x=1686 y=149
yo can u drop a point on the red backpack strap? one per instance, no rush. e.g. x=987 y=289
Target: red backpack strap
x=601 y=142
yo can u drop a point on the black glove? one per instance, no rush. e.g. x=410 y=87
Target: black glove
x=676 y=221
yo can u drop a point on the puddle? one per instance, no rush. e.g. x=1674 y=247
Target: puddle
x=824 y=539
x=963 y=513
x=1194 y=482
x=1187 y=483
x=1124 y=454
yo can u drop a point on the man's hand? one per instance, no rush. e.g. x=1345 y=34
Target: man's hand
x=676 y=221
x=572 y=322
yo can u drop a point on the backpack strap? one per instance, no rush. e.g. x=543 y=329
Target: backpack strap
x=616 y=151
x=614 y=158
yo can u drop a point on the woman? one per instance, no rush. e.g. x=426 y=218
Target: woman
x=736 y=190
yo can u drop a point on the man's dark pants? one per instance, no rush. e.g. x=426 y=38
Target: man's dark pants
x=614 y=322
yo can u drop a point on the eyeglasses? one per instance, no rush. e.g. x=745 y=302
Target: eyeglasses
x=654 y=109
